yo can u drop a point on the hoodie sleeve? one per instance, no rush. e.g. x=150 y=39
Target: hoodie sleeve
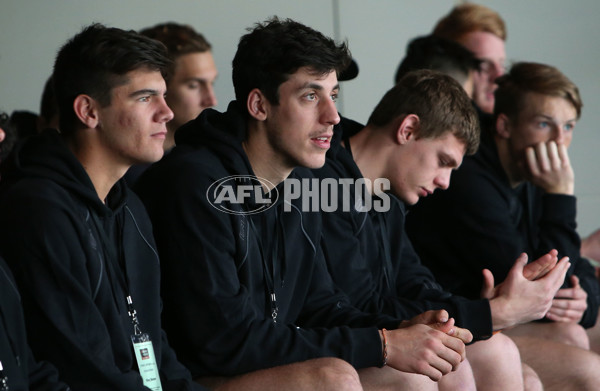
x=481 y=223
x=42 y=245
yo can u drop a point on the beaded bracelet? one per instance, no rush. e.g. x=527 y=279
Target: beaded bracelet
x=385 y=355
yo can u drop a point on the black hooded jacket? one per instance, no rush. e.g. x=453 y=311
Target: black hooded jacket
x=480 y=222
x=219 y=268
x=20 y=369
x=371 y=258
x=68 y=251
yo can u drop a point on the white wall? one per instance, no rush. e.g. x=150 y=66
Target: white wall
x=558 y=32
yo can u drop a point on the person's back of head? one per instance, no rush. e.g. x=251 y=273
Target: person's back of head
x=438 y=54
x=48 y=117
x=95 y=61
x=179 y=39
x=469 y=17
x=276 y=49
x=528 y=77
x=439 y=101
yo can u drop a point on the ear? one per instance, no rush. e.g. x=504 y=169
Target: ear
x=407 y=129
x=86 y=109
x=503 y=126
x=256 y=105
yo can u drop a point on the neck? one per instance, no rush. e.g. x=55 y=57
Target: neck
x=265 y=161
x=370 y=153
x=103 y=172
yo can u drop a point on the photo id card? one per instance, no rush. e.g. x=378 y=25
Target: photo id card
x=144 y=354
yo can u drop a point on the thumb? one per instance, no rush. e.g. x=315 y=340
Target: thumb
x=519 y=264
x=574 y=281
x=487 y=290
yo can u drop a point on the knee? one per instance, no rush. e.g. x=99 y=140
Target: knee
x=336 y=374
x=571 y=334
x=531 y=380
x=498 y=345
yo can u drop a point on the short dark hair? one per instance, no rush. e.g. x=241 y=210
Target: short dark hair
x=275 y=49
x=48 y=105
x=96 y=60
x=439 y=54
x=525 y=77
x=179 y=39
x=439 y=101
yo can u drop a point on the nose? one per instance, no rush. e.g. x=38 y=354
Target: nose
x=560 y=135
x=164 y=113
x=329 y=114
x=209 y=99
x=442 y=181
x=2 y=135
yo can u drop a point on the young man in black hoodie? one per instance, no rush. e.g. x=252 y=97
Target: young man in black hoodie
x=415 y=137
x=78 y=241
x=516 y=194
x=245 y=286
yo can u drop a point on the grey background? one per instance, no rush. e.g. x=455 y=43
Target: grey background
x=562 y=33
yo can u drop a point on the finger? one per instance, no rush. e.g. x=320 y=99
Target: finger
x=561 y=306
x=445 y=361
x=541 y=152
x=564 y=155
x=555 y=162
x=560 y=315
x=454 y=345
x=541 y=266
x=557 y=275
x=531 y=161
x=574 y=281
x=487 y=290
x=565 y=293
x=462 y=334
x=557 y=318
x=444 y=327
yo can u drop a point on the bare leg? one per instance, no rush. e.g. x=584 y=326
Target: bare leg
x=461 y=379
x=323 y=374
x=496 y=364
x=561 y=367
x=566 y=333
x=388 y=379
x=594 y=335
x=531 y=380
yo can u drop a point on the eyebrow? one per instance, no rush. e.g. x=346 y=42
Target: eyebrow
x=145 y=91
x=548 y=117
x=451 y=161
x=316 y=86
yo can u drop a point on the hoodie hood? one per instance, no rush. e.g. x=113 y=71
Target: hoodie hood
x=47 y=156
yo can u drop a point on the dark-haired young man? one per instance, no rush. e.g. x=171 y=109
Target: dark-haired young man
x=190 y=79
x=516 y=194
x=77 y=239
x=245 y=286
x=416 y=136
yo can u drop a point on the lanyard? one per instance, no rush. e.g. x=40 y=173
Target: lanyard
x=3 y=379
x=120 y=274
x=269 y=273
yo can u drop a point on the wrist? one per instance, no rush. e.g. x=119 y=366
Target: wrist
x=384 y=345
x=500 y=317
